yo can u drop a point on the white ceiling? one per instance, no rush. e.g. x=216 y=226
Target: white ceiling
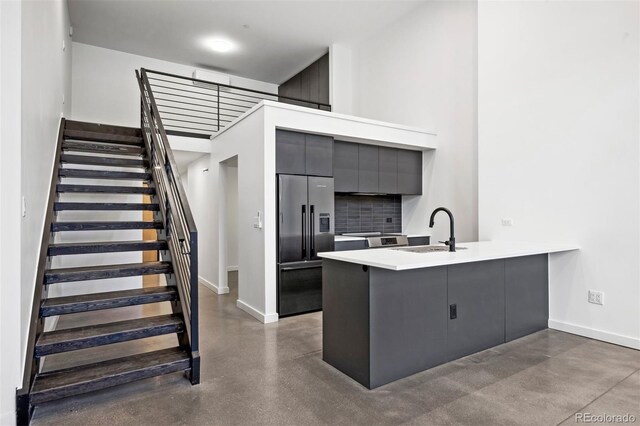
x=275 y=39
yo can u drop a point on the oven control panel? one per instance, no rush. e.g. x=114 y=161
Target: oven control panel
x=388 y=241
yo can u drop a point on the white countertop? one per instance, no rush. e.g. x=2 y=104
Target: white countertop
x=349 y=238
x=477 y=251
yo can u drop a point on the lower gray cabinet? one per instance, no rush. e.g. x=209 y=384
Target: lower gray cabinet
x=408 y=314
x=476 y=303
x=527 y=295
x=381 y=325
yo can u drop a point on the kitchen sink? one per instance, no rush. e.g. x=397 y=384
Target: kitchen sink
x=427 y=249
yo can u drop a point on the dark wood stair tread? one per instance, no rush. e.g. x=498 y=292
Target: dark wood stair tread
x=72 y=339
x=91 y=377
x=85 y=135
x=105 y=247
x=104 y=226
x=59 y=206
x=104 y=189
x=103 y=148
x=84 y=273
x=102 y=174
x=106 y=300
x=103 y=161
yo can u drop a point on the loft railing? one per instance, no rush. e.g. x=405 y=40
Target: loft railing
x=200 y=108
x=179 y=226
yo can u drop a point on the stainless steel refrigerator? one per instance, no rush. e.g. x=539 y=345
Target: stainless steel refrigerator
x=305 y=228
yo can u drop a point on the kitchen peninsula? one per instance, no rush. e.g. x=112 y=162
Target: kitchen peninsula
x=392 y=312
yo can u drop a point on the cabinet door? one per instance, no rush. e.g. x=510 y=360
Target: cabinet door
x=290 y=152
x=526 y=281
x=477 y=291
x=299 y=288
x=388 y=170
x=319 y=155
x=345 y=167
x=367 y=168
x=409 y=172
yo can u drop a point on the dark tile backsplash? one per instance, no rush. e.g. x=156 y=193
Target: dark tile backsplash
x=368 y=213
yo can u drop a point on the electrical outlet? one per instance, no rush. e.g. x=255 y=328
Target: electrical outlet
x=507 y=222
x=596 y=297
x=24 y=207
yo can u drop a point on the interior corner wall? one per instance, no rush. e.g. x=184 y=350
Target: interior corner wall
x=559 y=152
x=422 y=71
x=105 y=89
x=46 y=97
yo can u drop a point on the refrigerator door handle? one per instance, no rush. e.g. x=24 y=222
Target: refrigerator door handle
x=304 y=227
x=312 y=234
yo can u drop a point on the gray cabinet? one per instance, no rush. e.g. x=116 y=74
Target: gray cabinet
x=476 y=304
x=400 y=322
x=345 y=167
x=527 y=295
x=319 y=155
x=367 y=168
x=409 y=172
x=303 y=154
x=383 y=170
x=290 y=153
x=388 y=170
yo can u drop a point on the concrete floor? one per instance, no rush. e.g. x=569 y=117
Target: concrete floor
x=255 y=374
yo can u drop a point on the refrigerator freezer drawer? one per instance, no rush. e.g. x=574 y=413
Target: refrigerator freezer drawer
x=299 y=288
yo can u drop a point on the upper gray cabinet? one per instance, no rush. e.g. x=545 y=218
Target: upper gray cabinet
x=303 y=154
x=388 y=170
x=345 y=167
x=409 y=172
x=368 y=168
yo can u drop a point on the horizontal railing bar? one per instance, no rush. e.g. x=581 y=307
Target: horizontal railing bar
x=180 y=83
x=231 y=87
x=185 y=103
x=210 y=117
x=188 y=134
x=184 y=96
x=187 y=121
x=185 y=109
x=183 y=127
x=181 y=90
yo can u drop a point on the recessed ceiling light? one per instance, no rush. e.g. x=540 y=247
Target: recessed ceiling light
x=219 y=45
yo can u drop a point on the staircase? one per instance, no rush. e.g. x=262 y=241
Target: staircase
x=113 y=161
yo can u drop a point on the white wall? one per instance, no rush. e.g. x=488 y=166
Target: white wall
x=105 y=89
x=46 y=96
x=10 y=191
x=31 y=36
x=232 y=218
x=559 y=150
x=421 y=71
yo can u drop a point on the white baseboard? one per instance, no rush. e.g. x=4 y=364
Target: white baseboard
x=266 y=319
x=605 y=336
x=232 y=268
x=211 y=286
